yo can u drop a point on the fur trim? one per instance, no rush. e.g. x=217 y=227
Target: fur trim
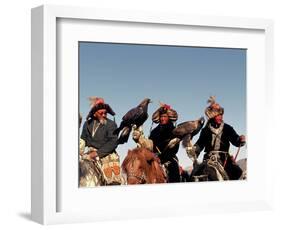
x=213 y=109
x=164 y=109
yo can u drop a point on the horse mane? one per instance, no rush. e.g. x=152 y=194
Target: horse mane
x=149 y=162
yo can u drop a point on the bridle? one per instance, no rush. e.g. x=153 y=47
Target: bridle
x=141 y=178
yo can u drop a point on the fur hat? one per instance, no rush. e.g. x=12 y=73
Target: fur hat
x=98 y=103
x=164 y=109
x=214 y=108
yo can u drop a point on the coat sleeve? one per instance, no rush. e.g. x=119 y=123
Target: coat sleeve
x=85 y=134
x=152 y=137
x=234 y=138
x=111 y=143
x=201 y=142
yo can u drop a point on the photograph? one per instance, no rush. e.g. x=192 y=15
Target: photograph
x=161 y=114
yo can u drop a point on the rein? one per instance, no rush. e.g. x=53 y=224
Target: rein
x=141 y=178
x=237 y=153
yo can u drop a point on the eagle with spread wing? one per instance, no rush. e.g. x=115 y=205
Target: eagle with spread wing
x=185 y=132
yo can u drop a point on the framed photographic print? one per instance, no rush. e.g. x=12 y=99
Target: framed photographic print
x=128 y=105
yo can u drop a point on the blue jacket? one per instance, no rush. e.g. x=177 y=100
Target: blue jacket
x=103 y=140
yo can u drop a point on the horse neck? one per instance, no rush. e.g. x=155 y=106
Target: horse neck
x=156 y=175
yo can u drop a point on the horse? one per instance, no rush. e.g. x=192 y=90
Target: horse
x=207 y=172
x=242 y=163
x=90 y=173
x=141 y=166
x=213 y=169
x=210 y=169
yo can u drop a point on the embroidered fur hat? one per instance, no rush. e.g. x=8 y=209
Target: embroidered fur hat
x=164 y=109
x=97 y=103
x=213 y=109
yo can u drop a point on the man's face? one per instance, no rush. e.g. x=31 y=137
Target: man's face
x=218 y=119
x=101 y=115
x=164 y=119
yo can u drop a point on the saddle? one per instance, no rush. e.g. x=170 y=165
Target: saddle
x=212 y=160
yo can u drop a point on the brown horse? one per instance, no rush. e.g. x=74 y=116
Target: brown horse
x=142 y=167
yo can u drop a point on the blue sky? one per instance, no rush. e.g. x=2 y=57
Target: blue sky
x=183 y=77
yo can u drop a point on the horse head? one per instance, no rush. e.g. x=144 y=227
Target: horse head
x=132 y=166
x=142 y=167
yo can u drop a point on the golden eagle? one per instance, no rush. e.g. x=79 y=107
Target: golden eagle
x=136 y=116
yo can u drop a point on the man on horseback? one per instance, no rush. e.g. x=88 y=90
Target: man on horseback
x=215 y=139
x=161 y=136
x=101 y=142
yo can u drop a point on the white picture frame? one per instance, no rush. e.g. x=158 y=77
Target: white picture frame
x=51 y=206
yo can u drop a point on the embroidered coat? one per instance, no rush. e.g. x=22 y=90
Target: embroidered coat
x=161 y=136
x=207 y=143
x=102 y=138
